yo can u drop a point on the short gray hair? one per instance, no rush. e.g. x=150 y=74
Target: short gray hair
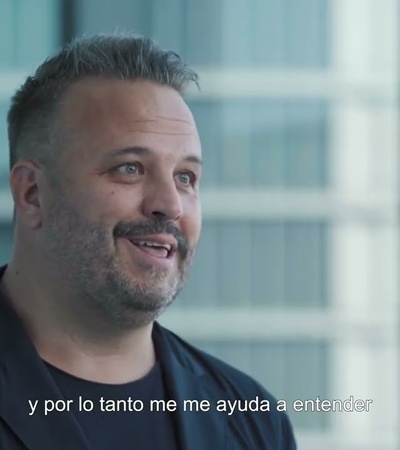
x=32 y=118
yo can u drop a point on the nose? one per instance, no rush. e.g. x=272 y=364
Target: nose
x=162 y=200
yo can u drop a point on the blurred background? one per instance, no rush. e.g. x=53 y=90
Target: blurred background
x=296 y=277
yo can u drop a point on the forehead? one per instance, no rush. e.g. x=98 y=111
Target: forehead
x=113 y=113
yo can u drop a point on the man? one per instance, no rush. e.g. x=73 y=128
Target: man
x=105 y=166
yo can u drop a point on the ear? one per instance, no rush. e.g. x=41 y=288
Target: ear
x=24 y=185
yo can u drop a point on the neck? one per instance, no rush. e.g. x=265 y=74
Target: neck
x=71 y=341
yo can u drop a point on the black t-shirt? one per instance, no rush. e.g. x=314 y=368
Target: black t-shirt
x=125 y=425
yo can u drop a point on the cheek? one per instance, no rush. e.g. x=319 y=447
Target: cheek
x=191 y=223
x=108 y=206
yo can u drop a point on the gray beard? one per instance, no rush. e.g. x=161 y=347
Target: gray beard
x=77 y=250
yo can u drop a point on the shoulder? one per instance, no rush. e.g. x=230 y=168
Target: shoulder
x=233 y=385
x=227 y=377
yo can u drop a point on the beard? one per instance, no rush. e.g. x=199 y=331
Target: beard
x=84 y=254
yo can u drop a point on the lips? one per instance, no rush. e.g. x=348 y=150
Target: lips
x=159 y=245
x=156 y=249
x=153 y=250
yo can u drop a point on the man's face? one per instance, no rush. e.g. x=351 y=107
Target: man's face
x=123 y=217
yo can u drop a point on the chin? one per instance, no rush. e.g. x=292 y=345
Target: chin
x=142 y=314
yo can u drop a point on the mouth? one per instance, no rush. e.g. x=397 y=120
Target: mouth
x=159 y=251
x=158 y=248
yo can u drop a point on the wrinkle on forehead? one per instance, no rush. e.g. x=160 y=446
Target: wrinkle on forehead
x=158 y=118
x=169 y=126
x=162 y=125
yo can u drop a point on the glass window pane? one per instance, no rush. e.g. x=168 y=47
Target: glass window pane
x=263 y=143
x=305 y=264
x=269 y=263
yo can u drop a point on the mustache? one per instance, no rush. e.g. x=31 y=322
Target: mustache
x=155 y=226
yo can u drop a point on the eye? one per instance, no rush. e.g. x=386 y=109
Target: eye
x=187 y=178
x=131 y=168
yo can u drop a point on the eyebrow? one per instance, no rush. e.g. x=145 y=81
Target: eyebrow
x=147 y=151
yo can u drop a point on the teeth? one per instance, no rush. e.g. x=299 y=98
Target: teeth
x=154 y=244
